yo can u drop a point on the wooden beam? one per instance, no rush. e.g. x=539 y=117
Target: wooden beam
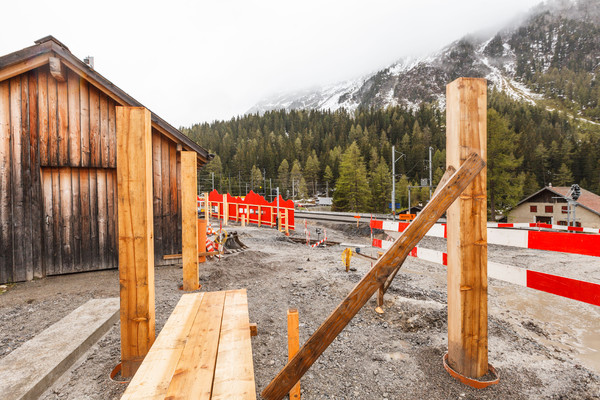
x=23 y=66
x=466 y=132
x=376 y=276
x=293 y=327
x=56 y=69
x=189 y=220
x=136 y=237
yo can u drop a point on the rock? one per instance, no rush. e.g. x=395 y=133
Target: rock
x=353 y=269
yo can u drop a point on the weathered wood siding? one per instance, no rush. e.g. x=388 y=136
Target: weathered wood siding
x=57 y=179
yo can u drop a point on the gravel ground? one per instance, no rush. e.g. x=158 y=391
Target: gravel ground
x=543 y=346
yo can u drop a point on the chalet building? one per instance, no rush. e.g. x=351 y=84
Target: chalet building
x=58 y=189
x=549 y=205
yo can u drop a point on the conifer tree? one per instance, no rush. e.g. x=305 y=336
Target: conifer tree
x=328 y=177
x=504 y=184
x=381 y=186
x=352 y=191
x=283 y=175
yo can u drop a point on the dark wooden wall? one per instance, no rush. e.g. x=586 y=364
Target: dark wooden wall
x=58 y=181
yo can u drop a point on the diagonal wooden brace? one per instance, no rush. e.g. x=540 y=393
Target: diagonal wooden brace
x=373 y=280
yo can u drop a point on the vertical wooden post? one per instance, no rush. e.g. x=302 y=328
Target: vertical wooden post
x=225 y=210
x=136 y=235
x=201 y=238
x=206 y=209
x=287 y=222
x=189 y=220
x=293 y=344
x=466 y=132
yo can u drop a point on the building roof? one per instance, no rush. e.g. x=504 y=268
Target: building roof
x=587 y=200
x=35 y=56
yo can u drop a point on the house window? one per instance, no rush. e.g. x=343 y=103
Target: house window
x=563 y=223
x=549 y=209
x=565 y=209
x=533 y=209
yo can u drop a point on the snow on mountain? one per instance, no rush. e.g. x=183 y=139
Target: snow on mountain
x=507 y=59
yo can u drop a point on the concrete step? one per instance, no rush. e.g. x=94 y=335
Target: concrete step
x=28 y=371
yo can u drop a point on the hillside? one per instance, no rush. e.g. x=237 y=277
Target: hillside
x=551 y=57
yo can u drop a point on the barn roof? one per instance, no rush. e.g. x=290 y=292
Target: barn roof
x=587 y=200
x=35 y=56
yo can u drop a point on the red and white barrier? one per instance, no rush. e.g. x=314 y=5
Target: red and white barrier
x=565 y=242
x=537 y=225
x=320 y=241
x=583 y=291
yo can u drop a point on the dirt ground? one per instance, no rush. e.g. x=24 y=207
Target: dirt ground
x=543 y=346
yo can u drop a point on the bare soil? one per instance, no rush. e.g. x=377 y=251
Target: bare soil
x=543 y=346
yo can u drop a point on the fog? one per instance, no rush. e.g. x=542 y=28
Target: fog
x=195 y=61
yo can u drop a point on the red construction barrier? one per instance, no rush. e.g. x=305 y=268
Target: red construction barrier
x=253 y=208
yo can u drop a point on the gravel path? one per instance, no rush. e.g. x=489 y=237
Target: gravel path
x=543 y=346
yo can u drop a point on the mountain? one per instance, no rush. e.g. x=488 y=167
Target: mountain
x=551 y=57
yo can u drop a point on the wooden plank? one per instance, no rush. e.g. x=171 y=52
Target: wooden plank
x=6 y=237
x=253 y=329
x=234 y=372
x=111 y=231
x=26 y=187
x=136 y=245
x=56 y=266
x=84 y=209
x=48 y=220
x=95 y=151
x=167 y=230
x=154 y=375
x=201 y=239
x=74 y=119
x=104 y=142
x=52 y=122
x=76 y=219
x=84 y=109
x=376 y=276
x=57 y=70
x=196 y=368
x=467 y=231
x=23 y=66
x=43 y=115
x=293 y=326
x=102 y=219
x=94 y=242
x=189 y=239
x=175 y=243
x=18 y=211
x=157 y=191
x=112 y=135
x=63 y=124
x=66 y=220
x=36 y=186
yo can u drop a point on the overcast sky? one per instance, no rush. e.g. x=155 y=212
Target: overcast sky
x=194 y=61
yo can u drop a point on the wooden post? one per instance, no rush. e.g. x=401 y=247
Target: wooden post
x=225 y=210
x=293 y=327
x=466 y=132
x=287 y=222
x=201 y=238
x=136 y=235
x=189 y=220
x=206 y=209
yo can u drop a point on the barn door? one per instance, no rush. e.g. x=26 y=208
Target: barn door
x=79 y=219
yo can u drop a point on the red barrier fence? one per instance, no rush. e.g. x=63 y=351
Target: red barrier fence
x=253 y=208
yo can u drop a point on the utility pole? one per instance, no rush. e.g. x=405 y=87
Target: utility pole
x=239 y=183
x=394 y=180
x=270 y=189
x=212 y=174
x=264 y=183
x=277 y=224
x=430 y=180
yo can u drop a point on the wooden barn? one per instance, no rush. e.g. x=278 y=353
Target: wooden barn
x=58 y=191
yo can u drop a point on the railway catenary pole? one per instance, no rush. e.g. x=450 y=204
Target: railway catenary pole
x=430 y=180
